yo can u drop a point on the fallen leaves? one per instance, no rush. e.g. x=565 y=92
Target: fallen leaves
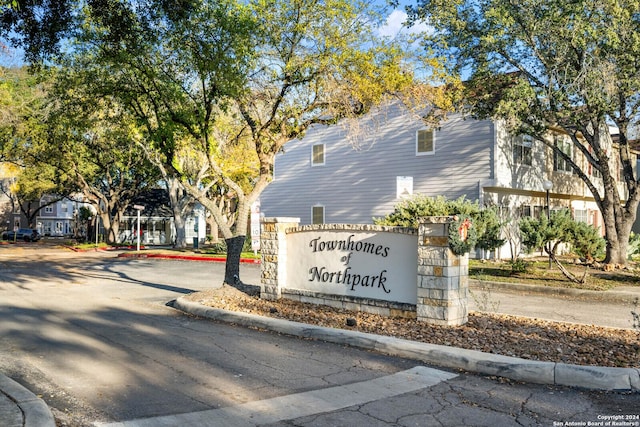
x=526 y=338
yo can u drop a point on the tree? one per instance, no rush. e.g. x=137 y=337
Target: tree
x=32 y=183
x=23 y=111
x=39 y=26
x=318 y=63
x=235 y=77
x=93 y=147
x=560 y=229
x=554 y=65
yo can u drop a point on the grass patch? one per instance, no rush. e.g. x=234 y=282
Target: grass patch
x=203 y=252
x=537 y=272
x=85 y=246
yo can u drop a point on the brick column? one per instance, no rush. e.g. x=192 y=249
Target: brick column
x=273 y=247
x=443 y=277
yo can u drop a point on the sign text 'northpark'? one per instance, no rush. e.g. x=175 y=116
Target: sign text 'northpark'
x=346 y=276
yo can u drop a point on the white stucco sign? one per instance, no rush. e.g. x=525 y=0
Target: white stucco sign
x=367 y=264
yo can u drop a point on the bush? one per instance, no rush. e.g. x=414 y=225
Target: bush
x=489 y=230
x=221 y=246
x=587 y=241
x=409 y=211
x=584 y=239
x=486 y=224
x=634 y=245
x=519 y=266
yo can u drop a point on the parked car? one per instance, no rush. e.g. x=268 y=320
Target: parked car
x=26 y=234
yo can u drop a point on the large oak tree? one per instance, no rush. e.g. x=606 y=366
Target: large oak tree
x=563 y=65
x=236 y=76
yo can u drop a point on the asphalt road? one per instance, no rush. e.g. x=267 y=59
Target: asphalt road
x=93 y=336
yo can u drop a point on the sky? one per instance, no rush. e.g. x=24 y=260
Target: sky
x=395 y=23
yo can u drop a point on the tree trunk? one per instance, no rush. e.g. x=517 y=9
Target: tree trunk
x=618 y=229
x=232 y=266
x=180 y=225
x=213 y=227
x=181 y=204
x=566 y=272
x=617 y=250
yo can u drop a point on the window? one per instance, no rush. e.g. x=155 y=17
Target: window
x=522 y=150
x=559 y=162
x=65 y=207
x=317 y=215
x=538 y=211
x=317 y=155
x=425 y=142
x=48 y=209
x=525 y=211
x=581 y=215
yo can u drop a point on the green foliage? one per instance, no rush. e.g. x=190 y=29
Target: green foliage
x=489 y=229
x=462 y=234
x=634 y=245
x=84 y=214
x=587 y=241
x=552 y=66
x=408 y=212
x=520 y=266
x=561 y=228
x=484 y=233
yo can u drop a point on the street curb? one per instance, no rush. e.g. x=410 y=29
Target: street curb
x=186 y=257
x=550 y=373
x=35 y=412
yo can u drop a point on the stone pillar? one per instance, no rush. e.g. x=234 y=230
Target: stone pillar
x=273 y=247
x=443 y=277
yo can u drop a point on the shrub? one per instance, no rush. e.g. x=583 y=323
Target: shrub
x=634 y=245
x=409 y=211
x=486 y=224
x=519 y=266
x=587 y=241
x=561 y=228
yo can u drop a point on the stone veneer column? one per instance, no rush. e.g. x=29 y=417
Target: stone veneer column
x=443 y=277
x=273 y=247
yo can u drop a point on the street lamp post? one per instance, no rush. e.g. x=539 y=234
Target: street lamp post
x=548 y=185
x=138 y=208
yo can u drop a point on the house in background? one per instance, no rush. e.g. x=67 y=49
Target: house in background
x=157 y=222
x=60 y=217
x=332 y=176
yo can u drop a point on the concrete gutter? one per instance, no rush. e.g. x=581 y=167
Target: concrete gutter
x=552 y=373
x=35 y=412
